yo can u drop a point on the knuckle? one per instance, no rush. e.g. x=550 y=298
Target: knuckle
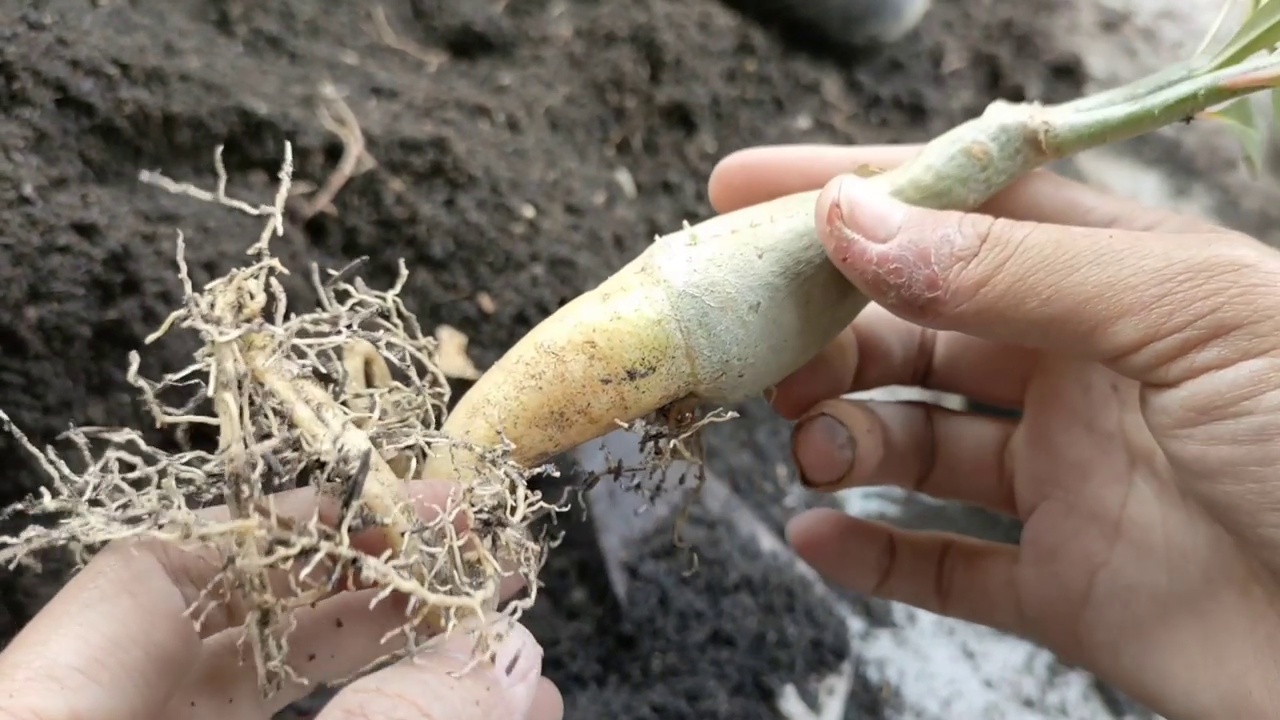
x=886 y=561
x=988 y=248
x=1207 y=304
x=1235 y=278
x=1229 y=297
x=924 y=435
x=945 y=580
x=964 y=255
x=1248 y=258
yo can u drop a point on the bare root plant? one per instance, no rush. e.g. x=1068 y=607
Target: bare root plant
x=348 y=399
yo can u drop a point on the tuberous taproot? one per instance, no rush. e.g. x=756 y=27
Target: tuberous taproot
x=611 y=355
x=716 y=312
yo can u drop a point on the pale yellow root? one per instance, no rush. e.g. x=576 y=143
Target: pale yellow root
x=715 y=313
x=611 y=352
x=329 y=433
x=367 y=371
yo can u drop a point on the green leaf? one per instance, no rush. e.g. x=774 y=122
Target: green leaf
x=1239 y=117
x=1217 y=24
x=1260 y=31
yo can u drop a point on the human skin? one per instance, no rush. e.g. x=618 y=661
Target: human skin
x=114 y=645
x=1142 y=349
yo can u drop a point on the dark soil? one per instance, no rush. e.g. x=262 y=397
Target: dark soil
x=497 y=174
x=715 y=639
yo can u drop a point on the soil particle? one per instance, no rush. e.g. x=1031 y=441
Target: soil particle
x=520 y=152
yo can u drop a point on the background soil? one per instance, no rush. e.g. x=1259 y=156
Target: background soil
x=504 y=177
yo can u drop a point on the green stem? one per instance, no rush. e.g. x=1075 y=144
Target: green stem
x=1072 y=132
x=1134 y=90
x=962 y=168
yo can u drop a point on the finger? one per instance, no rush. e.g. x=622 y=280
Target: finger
x=923 y=448
x=88 y=635
x=434 y=685
x=430 y=500
x=879 y=350
x=1158 y=308
x=339 y=632
x=758 y=174
x=946 y=574
x=331 y=641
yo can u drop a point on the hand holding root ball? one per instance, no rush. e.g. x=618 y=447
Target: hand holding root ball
x=1142 y=350
x=236 y=610
x=115 y=644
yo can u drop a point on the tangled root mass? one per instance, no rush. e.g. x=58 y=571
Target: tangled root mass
x=346 y=399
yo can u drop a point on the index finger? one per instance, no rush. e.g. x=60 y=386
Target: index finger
x=443 y=681
x=755 y=175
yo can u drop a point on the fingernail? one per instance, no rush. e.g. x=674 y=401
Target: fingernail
x=823 y=450
x=518 y=663
x=861 y=208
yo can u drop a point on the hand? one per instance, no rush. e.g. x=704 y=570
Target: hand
x=114 y=645
x=1142 y=350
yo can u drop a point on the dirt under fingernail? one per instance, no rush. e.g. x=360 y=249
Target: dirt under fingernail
x=823 y=450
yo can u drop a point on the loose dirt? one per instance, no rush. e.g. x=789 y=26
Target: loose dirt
x=514 y=154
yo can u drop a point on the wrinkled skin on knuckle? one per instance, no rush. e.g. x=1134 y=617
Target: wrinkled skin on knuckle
x=1254 y=270
x=1218 y=351
x=1213 y=310
x=1002 y=262
x=978 y=259
x=947 y=579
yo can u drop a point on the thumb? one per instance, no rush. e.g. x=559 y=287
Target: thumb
x=1154 y=306
x=444 y=681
